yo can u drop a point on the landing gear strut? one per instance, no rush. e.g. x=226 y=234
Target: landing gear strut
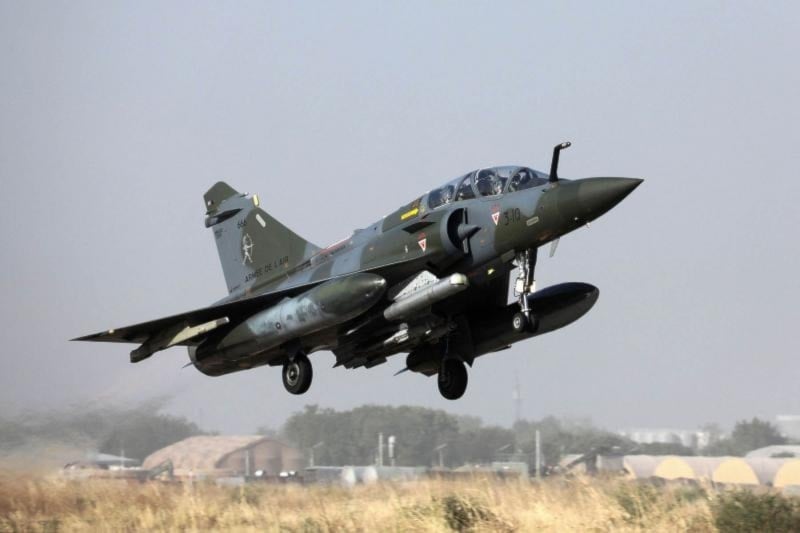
x=452 y=378
x=297 y=374
x=525 y=285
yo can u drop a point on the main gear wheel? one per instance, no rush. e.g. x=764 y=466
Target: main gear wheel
x=297 y=374
x=452 y=378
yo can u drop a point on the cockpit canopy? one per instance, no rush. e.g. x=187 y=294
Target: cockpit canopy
x=486 y=182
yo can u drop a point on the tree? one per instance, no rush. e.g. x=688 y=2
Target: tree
x=755 y=434
x=747 y=436
x=481 y=445
x=137 y=434
x=351 y=437
x=138 y=431
x=714 y=432
x=559 y=438
x=664 y=448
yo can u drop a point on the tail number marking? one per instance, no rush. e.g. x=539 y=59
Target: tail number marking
x=511 y=215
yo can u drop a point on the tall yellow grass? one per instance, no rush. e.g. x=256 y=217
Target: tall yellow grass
x=479 y=504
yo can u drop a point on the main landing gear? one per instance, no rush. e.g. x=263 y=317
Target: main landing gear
x=524 y=320
x=452 y=378
x=297 y=374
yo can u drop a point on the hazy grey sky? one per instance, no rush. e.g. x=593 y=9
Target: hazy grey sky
x=115 y=118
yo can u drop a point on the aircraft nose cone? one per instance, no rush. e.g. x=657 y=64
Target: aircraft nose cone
x=596 y=196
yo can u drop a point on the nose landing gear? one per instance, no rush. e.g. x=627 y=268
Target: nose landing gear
x=522 y=323
x=525 y=321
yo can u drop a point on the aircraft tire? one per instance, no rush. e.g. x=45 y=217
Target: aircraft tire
x=520 y=323
x=452 y=379
x=297 y=375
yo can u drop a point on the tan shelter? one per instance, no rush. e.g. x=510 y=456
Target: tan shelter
x=735 y=471
x=724 y=470
x=788 y=475
x=219 y=456
x=671 y=467
x=674 y=468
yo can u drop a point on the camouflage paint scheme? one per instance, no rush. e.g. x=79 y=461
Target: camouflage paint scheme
x=289 y=298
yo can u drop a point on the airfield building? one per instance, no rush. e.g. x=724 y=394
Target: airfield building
x=768 y=471
x=691 y=438
x=214 y=456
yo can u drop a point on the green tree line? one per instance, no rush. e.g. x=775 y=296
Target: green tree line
x=351 y=436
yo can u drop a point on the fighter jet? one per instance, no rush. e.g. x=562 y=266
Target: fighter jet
x=431 y=281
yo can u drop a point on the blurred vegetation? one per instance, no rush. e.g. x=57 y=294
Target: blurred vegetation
x=562 y=437
x=134 y=431
x=664 y=448
x=746 y=436
x=744 y=511
x=350 y=437
x=479 y=504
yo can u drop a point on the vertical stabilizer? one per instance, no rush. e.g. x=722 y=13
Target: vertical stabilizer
x=253 y=247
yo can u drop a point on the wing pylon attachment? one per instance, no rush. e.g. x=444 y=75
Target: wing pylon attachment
x=173 y=336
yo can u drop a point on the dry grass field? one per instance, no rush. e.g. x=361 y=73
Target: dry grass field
x=480 y=504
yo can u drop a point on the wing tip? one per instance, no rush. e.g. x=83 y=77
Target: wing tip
x=94 y=336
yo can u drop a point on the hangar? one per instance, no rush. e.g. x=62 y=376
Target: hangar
x=768 y=471
x=737 y=471
x=696 y=468
x=789 y=474
x=225 y=456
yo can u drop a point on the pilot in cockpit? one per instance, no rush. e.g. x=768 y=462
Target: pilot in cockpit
x=520 y=180
x=489 y=183
x=448 y=193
